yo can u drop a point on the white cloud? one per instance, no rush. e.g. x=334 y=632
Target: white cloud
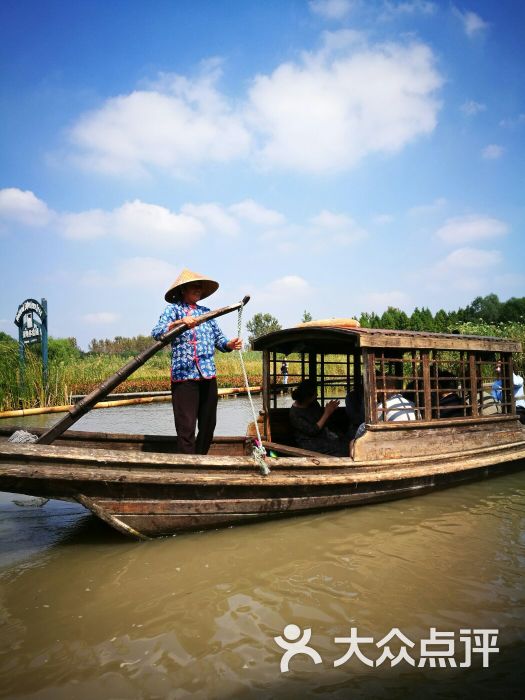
x=136 y=222
x=334 y=108
x=284 y=289
x=380 y=301
x=340 y=228
x=428 y=209
x=176 y=125
x=466 y=270
x=253 y=212
x=474 y=227
x=101 y=317
x=326 y=231
x=410 y=7
x=138 y=272
x=472 y=258
x=331 y=9
x=213 y=217
x=492 y=152
x=23 y=207
x=86 y=225
x=382 y=219
x=511 y=122
x=324 y=112
x=470 y=108
x=150 y=223
x=473 y=24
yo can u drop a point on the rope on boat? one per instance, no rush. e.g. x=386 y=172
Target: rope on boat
x=22 y=436
x=258 y=452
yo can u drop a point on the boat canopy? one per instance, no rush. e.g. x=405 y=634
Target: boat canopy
x=341 y=340
x=427 y=369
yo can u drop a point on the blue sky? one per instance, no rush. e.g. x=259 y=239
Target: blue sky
x=336 y=156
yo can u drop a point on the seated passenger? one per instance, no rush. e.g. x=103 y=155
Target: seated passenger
x=397 y=407
x=355 y=408
x=497 y=388
x=308 y=420
x=450 y=402
x=519 y=396
x=517 y=386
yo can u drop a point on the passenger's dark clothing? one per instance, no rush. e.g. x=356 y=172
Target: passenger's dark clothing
x=355 y=409
x=194 y=402
x=451 y=406
x=309 y=436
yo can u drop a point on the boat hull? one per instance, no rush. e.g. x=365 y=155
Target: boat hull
x=148 y=494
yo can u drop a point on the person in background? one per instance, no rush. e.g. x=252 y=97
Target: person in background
x=355 y=407
x=284 y=372
x=397 y=407
x=497 y=388
x=519 y=396
x=193 y=374
x=308 y=420
x=450 y=403
x=517 y=386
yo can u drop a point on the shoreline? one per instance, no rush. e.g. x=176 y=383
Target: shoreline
x=157 y=397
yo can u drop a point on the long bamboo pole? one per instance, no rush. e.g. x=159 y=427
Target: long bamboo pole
x=87 y=403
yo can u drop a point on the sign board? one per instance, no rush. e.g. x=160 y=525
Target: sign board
x=29 y=327
x=31 y=319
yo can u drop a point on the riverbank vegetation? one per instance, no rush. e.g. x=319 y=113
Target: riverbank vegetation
x=72 y=371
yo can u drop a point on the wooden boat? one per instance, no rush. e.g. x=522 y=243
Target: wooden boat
x=143 y=488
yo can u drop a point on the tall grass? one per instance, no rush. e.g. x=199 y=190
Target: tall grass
x=81 y=376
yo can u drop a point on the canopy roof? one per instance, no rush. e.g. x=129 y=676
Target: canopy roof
x=342 y=340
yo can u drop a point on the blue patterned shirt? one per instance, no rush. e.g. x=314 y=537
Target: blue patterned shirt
x=192 y=352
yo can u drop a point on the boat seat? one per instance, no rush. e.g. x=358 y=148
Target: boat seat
x=280 y=428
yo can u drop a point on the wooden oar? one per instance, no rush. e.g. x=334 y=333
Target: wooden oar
x=87 y=403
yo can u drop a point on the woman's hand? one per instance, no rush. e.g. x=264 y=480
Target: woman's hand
x=330 y=407
x=328 y=410
x=235 y=344
x=189 y=321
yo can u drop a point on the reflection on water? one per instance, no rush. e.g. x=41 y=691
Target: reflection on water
x=86 y=613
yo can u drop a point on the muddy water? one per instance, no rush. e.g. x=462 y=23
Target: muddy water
x=85 y=613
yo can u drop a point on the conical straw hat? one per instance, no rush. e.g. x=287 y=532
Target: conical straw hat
x=208 y=285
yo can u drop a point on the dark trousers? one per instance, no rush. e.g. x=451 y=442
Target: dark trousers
x=194 y=404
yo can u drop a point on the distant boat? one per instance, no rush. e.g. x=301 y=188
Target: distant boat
x=143 y=488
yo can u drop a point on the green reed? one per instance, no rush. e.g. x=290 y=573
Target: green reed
x=81 y=376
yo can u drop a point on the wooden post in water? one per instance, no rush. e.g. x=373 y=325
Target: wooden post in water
x=87 y=403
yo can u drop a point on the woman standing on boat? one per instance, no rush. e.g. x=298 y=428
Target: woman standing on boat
x=193 y=374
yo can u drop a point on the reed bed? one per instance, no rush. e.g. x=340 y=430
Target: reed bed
x=81 y=376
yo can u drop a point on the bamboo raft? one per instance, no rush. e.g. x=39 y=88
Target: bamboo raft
x=140 y=485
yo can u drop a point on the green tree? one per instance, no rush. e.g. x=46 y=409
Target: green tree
x=5 y=338
x=513 y=310
x=395 y=319
x=307 y=316
x=261 y=324
x=416 y=321
x=375 y=320
x=427 y=320
x=364 y=320
x=486 y=308
x=441 y=321
x=63 y=350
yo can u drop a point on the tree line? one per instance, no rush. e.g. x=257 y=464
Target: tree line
x=488 y=309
